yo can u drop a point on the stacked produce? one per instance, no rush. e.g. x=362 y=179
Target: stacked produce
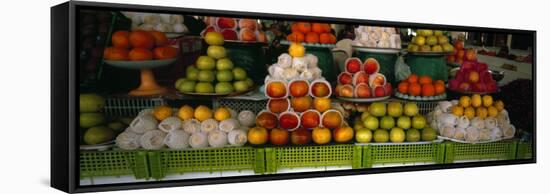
x=214 y=72
x=473 y=77
x=377 y=37
x=92 y=121
x=247 y=30
x=421 y=88
x=312 y=33
x=362 y=80
x=392 y=122
x=169 y=23
x=461 y=54
x=472 y=119
x=186 y=127
x=139 y=45
x=430 y=41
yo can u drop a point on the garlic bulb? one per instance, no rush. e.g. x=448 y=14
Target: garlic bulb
x=152 y=140
x=177 y=139
x=180 y=28
x=460 y=134
x=217 y=138
x=484 y=134
x=284 y=60
x=496 y=133
x=463 y=122
x=164 y=18
x=312 y=60
x=198 y=140
x=176 y=19
x=209 y=125
x=128 y=140
x=228 y=125
x=478 y=123
x=289 y=73
x=191 y=126
x=299 y=64
x=149 y=18
x=508 y=131
x=237 y=137
x=163 y=27
x=472 y=134
x=247 y=118
x=169 y=124
x=490 y=122
x=144 y=123
x=448 y=131
x=445 y=106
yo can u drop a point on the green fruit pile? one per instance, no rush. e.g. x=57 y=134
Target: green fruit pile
x=430 y=41
x=392 y=122
x=93 y=125
x=214 y=72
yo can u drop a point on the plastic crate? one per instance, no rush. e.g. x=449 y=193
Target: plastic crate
x=403 y=154
x=205 y=160
x=113 y=163
x=525 y=150
x=130 y=106
x=312 y=156
x=240 y=105
x=461 y=152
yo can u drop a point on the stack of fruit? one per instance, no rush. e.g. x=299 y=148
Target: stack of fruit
x=312 y=33
x=430 y=41
x=362 y=80
x=249 y=30
x=168 y=23
x=461 y=54
x=139 y=45
x=472 y=119
x=421 y=88
x=473 y=77
x=392 y=122
x=92 y=121
x=295 y=65
x=377 y=37
x=186 y=127
x=212 y=68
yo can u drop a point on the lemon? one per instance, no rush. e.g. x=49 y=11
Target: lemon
x=221 y=114
x=476 y=100
x=214 y=38
x=457 y=110
x=296 y=50
x=470 y=112
x=202 y=113
x=162 y=112
x=465 y=101
x=492 y=111
x=186 y=112
x=499 y=105
x=487 y=100
x=481 y=112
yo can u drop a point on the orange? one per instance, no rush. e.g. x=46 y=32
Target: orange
x=318 y=28
x=294 y=27
x=162 y=112
x=165 y=52
x=325 y=38
x=326 y=28
x=312 y=37
x=301 y=104
x=428 y=90
x=120 y=39
x=413 y=78
x=332 y=39
x=141 y=39
x=425 y=79
x=295 y=37
x=439 y=88
x=159 y=37
x=439 y=82
x=296 y=50
x=415 y=89
x=403 y=87
x=140 y=54
x=113 y=53
x=304 y=27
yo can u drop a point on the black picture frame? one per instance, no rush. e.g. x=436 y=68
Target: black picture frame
x=64 y=90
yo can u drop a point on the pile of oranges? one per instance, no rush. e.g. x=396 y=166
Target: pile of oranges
x=311 y=33
x=416 y=85
x=139 y=45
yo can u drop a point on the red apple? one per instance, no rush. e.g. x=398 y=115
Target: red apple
x=310 y=119
x=353 y=65
x=300 y=136
x=346 y=91
x=473 y=77
x=388 y=89
x=379 y=91
x=279 y=136
x=331 y=119
x=362 y=91
x=343 y=134
x=276 y=89
x=460 y=74
x=371 y=66
x=267 y=120
x=492 y=86
x=320 y=89
x=377 y=79
x=464 y=86
x=289 y=120
x=344 y=78
x=360 y=77
x=230 y=34
x=482 y=67
x=467 y=65
x=279 y=105
x=486 y=77
x=479 y=87
x=299 y=88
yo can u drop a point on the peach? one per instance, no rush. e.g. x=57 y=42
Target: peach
x=310 y=119
x=224 y=23
x=248 y=24
x=298 y=88
x=371 y=66
x=321 y=104
x=388 y=89
x=360 y=77
x=267 y=120
x=353 y=65
x=278 y=105
x=377 y=79
x=320 y=89
x=230 y=34
x=362 y=91
x=289 y=120
x=345 y=78
x=331 y=119
x=346 y=91
x=301 y=104
x=247 y=35
x=276 y=89
x=379 y=91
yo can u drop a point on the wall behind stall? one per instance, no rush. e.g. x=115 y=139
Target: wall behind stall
x=25 y=97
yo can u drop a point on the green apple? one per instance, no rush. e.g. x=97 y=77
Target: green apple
x=224 y=76
x=418 y=122
x=442 y=40
x=420 y=40
x=413 y=47
x=204 y=87
x=192 y=73
x=240 y=86
x=364 y=115
x=179 y=81
x=397 y=135
x=216 y=52
x=428 y=134
x=413 y=135
x=381 y=136
x=395 y=109
x=387 y=122
x=410 y=109
x=437 y=48
x=224 y=64
x=425 y=48
x=371 y=122
x=404 y=122
x=239 y=73
x=206 y=76
x=249 y=81
x=205 y=63
x=377 y=109
x=438 y=32
x=363 y=136
x=448 y=47
x=431 y=40
x=224 y=88
x=187 y=86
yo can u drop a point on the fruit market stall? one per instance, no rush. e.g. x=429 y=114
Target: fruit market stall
x=249 y=104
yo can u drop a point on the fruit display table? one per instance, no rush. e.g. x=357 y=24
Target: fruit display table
x=390 y=154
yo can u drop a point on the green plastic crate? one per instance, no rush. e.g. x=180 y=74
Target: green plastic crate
x=405 y=154
x=525 y=150
x=501 y=150
x=211 y=160
x=113 y=163
x=312 y=156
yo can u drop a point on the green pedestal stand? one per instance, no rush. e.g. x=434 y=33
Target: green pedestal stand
x=250 y=56
x=432 y=65
x=385 y=58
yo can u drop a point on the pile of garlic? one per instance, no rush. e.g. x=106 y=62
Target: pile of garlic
x=167 y=23
x=377 y=37
x=289 y=68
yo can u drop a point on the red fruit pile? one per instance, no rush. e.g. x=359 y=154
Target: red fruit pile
x=311 y=33
x=362 y=80
x=473 y=77
x=235 y=29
